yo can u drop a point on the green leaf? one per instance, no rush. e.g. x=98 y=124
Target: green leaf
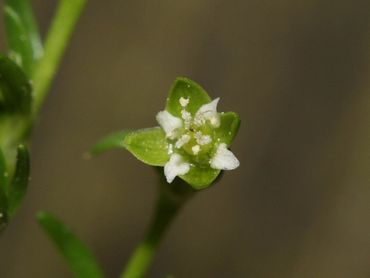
x=20 y=48
x=4 y=175
x=79 y=258
x=15 y=88
x=22 y=33
x=229 y=127
x=200 y=178
x=148 y=145
x=3 y=197
x=188 y=89
x=112 y=141
x=19 y=183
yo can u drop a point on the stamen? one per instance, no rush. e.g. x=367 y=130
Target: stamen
x=186 y=117
x=195 y=149
x=184 y=101
x=202 y=139
x=182 y=141
x=170 y=149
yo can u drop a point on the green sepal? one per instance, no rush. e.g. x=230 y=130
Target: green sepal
x=19 y=183
x=188 y=89
x=200 y=178
x=112 y=141
x=230 y=123
x=15 y=88
x=78 y=257
x=149 y=145
x=22 y=34
x=3 y=195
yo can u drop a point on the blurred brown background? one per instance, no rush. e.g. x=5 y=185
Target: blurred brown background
x=298 y=74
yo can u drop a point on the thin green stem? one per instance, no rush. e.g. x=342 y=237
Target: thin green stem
x=171 y=199
x=67 y=14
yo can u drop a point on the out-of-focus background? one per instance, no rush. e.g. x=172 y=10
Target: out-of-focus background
x=297 y=72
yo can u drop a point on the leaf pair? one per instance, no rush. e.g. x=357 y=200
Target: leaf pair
x=13 y=190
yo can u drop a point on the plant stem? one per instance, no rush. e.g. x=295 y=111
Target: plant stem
x=60 y=31
x=171 y=199
x=67 y=14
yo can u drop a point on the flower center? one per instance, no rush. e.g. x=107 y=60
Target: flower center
x=196 y=137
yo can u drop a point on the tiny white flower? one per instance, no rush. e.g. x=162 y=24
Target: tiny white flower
x=184 y=101
x=182 y=141
x=176 y=166
x=169 y=123
x=224 y=159
x=190 y=142
x=208 y=112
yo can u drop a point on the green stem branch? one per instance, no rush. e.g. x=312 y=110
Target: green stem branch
x=67 y=14
x=171 y=199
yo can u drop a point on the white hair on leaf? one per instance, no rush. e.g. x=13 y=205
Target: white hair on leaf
x=176 y=166
x=224 y=159
x=169 y=123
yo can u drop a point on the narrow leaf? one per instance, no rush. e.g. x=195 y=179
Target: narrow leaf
x=19 y=183
x=187 y=89
x=22 y=33
x=148 y=145
x=4 y=175
x=3 y=197
x=112 y=141
x=20 y=49
x=79 y=258
x=15 y=88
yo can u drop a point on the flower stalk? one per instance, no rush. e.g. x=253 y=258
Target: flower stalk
x=192 y=145
x=171 y=199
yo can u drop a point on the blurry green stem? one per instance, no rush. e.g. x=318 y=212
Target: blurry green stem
x=171 y=199
x=67 y=14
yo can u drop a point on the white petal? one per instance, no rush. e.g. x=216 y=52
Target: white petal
x=168 y=122
x=208 y=112
x=224 y=159
x=176 y=166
